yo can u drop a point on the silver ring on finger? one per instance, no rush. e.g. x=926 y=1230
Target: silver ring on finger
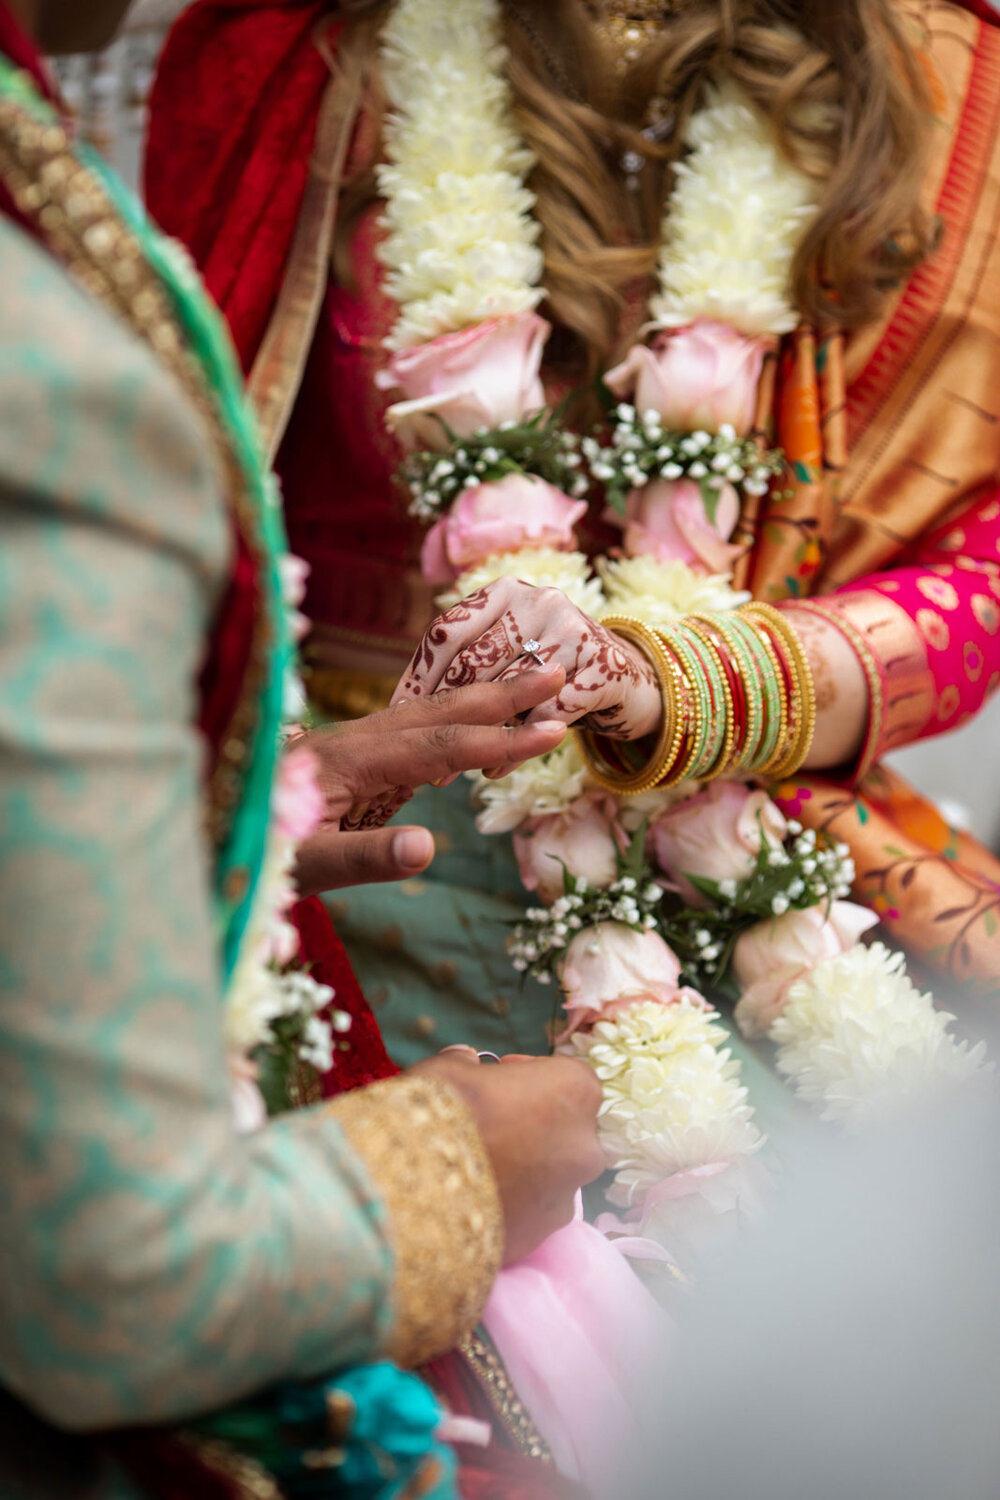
x=531 y=649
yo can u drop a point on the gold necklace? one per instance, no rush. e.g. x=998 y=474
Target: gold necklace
x=627 y=27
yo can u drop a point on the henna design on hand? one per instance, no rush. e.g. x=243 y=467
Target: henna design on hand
x=482 y=656
x=377 y=812
x=610 y=686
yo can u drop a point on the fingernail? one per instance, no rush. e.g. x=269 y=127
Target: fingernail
x=547 y=726
x=447 y=780
x=413 y=848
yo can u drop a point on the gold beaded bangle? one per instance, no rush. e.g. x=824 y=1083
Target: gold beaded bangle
x=803 y=698
x=671 y=735
x=728 y=706
x=804 y=702
x=696 y=697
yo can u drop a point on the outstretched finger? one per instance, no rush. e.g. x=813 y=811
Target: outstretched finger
x=477 y=703
x=418 y=757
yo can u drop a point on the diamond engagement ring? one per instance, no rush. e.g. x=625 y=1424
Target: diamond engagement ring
x=532 y=648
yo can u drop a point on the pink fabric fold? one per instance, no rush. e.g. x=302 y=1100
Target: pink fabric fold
x=583 y=1340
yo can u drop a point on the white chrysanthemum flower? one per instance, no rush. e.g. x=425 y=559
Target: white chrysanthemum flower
x=647 y=807
x=462 y=243
x=548 y=784
x=672 y=1093
x=661 y=592
x=857 y=1037
x=543 y=566
x=733 y=223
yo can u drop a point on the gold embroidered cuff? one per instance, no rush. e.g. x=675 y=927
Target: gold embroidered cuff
x=427 y=1161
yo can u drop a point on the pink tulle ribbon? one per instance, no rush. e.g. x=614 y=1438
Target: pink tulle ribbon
x=580 y=1335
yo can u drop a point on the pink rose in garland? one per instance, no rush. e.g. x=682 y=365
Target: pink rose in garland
x=299 y=804
x=585 y=839
x=772 y=955
x=479 y=377
x=701 y=377
x=504 y=515
x=670 y=519
x=716 y=835
x=609 y=966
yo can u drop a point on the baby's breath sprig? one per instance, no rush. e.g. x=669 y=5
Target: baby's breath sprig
x=539 y=446
x=643 y=450
x=808 y=869
x=537 y=943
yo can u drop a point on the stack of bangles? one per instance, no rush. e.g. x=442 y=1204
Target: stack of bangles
x=738 y=700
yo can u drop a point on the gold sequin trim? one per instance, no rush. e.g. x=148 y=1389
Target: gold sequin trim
x=427 y=1160
x=492 y=1375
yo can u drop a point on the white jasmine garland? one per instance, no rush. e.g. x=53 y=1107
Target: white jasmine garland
x=462 y=244
x=544 y=567
x=661 y=592
x=856 y=1037
x=548 y=784
x=733 y=223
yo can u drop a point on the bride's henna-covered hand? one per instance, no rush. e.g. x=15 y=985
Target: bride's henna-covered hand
x=610 y=686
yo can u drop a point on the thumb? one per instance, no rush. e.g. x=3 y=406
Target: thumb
x=331 y=860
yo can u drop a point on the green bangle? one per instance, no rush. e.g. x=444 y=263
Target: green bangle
x=766 y=685
x=718 y=716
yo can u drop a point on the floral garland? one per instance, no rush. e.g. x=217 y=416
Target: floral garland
x=637 y=895
x=278 y=1017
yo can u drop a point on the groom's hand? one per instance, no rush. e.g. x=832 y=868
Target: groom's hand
x=370 y=767
x=538 y=1121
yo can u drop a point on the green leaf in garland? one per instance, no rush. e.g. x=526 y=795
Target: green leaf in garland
x=803 y=473
x=710 y=495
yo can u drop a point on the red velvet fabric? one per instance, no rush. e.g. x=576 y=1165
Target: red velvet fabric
x=18 y=47
x=361 y=1057
x=233 y=117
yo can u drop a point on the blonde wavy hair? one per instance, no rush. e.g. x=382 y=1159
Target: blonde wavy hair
x=838 y=81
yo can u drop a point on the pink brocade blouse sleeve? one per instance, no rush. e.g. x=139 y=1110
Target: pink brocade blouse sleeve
x=927 y=631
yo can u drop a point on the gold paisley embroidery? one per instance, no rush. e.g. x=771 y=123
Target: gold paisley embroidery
x=933 y=629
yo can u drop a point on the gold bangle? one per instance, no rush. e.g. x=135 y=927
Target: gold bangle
x=869 y=665
x=802 y=701
x=671 y=733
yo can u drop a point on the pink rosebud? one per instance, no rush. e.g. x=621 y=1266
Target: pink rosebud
x=503 y=516
x=772 y=955
x=716 y=835
x=611 y=965
x=669 y=519
x=478 y=377
x=585 y=838
x=699 y=377
x=299 y=804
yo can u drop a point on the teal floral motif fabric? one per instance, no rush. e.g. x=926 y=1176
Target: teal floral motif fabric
x=153 y=1264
